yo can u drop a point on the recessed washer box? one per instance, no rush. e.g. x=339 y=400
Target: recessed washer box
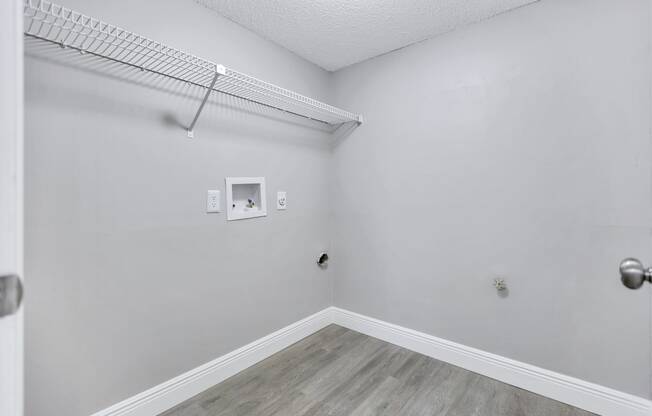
x=245 y=198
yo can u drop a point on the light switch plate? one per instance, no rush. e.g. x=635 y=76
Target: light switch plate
x=212 y=201
x=281 y=200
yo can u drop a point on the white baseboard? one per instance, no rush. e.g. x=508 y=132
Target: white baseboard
x=592 y=397
x=167 y=395
x=582 y=394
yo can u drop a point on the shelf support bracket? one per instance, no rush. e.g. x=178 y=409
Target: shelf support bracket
x=219 y=70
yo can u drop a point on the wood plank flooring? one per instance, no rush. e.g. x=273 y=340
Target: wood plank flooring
x=339 y=372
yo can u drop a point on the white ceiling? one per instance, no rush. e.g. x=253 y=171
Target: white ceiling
x=337 y=33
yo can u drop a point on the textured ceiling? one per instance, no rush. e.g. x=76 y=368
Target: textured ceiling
x=337 y=33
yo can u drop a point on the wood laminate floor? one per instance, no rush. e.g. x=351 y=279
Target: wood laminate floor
x=339 y=372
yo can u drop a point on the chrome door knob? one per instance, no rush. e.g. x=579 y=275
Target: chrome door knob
x=11 y=294
x=633 y=274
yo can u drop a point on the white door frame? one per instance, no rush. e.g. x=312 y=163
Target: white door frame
x=11 y=198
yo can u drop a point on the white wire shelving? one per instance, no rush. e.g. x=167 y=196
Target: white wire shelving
x=57 y=24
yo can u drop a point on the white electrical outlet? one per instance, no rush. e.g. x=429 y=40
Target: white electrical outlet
x=281 y=200
x=213 y=201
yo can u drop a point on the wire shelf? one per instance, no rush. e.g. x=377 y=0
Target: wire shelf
x=70 y=29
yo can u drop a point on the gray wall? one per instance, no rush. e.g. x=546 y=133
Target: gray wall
x=130 y=282
x=517 y=147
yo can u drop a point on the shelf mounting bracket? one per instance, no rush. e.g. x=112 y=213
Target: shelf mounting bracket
x=219 y=70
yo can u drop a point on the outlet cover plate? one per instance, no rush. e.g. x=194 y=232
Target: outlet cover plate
x=213 y=201
x=281 y=200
